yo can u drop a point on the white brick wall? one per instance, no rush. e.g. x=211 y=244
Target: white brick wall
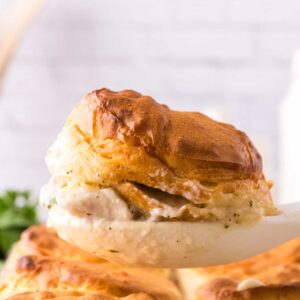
x=231 y=56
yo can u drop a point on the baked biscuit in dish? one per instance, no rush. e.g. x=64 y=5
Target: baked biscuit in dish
x=43 y=241
x=226 y=289
x=272 y=274
x=74 y=296
x=35 y=273
x=125 y=167
x=32 y=268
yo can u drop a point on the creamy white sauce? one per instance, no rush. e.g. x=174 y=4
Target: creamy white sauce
x=165 y=188
x=159 y=172
x=192 y=192
x=85 y=200
x=166 y=212
x=92 y=201
x=249 y=283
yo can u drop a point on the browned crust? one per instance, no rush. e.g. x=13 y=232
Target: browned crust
x=277 y=266
x=41 y=261
x=278 y=269
x=44 y=241
x=189 y=143
x=116 y=137
x=73 y=295
x=40 y=273
x=226 y=289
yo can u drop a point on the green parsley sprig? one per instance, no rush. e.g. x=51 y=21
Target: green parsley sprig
x=17 y=212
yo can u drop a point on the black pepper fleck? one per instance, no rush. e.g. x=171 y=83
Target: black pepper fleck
x=113 y=251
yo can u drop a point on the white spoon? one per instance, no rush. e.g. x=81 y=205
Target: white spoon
x=240 y=243
x=175 y=244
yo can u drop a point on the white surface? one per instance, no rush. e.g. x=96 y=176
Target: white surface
x=290 y=138
x=193 y=55
x=175 y=244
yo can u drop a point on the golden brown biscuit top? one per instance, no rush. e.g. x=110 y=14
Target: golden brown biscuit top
x=73 y=295
x=226 y=289
x=277 y=266
x=41 y=261
x=44 y=241
x=116 y=138
x=36 y=273
x=189 y=143
x=271 y=275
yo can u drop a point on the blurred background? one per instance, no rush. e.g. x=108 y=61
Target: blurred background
x=234 y=60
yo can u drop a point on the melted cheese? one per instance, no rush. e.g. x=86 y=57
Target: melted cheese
x=249 y=283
